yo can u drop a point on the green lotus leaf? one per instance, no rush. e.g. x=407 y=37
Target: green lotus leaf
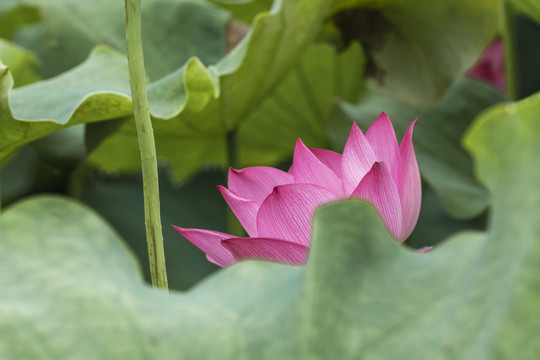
x=173 y=31
x=96 y=90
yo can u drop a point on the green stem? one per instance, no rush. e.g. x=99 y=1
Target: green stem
x=145 y=133
x=234 y=226
x=510 y=51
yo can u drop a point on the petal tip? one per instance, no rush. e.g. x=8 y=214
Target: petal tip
x=383 y=116
x=424 y=249
x=355 y=127
x=177 y=228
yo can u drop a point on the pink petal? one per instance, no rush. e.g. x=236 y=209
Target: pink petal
x=379 y=189
x=358 y=158
x=382 y=138
x=410 y=184
x=245 y=210
x=256 y=183
x=329 y=158
x=490 y=66
x=209 y=242
x=287 y=213
x=277 y=250
x=308 y=169
x=424 y=249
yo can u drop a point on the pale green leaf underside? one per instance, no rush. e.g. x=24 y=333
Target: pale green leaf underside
x=96 y=90
x=173 y=31
x=361 y=295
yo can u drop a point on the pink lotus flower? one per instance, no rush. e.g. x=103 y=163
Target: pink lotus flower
x=490 y=66
x=276 y=207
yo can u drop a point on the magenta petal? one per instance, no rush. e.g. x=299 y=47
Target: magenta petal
x=382 y=138
x=358 y=158
x=277 y=250
x=209 y=242
x=379 y=189
x=256 y=183
x=308 y=169
x=245 y=210
x=329 y=158
x=410 y=184
x=287 y=213
x=490 y=66
x=424 y=250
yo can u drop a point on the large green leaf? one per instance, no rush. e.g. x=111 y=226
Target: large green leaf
x=437 y=139
x=96 y=90
x=72 y=291
x=173 y=31
x=417 y=48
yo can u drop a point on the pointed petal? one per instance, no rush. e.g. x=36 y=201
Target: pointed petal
x=424 y=249
x=209 y=242
x=382 y=138
x=308 y=169
x=245 y=210
x=256 y=183
x=379 y=189
x=287 y=213
x=358 y=158
x=277 y=250
x=329 y=158
x=410 y=184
